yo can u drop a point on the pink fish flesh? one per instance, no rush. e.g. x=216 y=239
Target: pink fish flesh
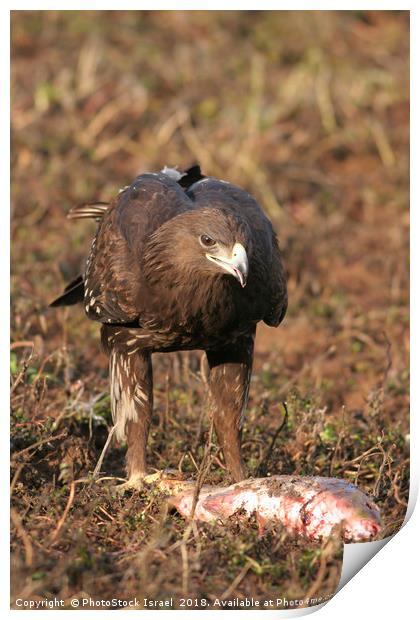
x=304 y=506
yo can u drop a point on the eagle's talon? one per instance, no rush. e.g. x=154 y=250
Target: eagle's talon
x=161 y=474
x=140 y=482
x=134 y=483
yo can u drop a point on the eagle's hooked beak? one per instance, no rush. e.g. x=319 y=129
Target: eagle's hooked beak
x=236 y=264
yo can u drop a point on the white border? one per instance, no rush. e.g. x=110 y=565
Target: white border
x=189 y=5
x=388 y=585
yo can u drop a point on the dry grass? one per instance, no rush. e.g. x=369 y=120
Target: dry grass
x=308 y=111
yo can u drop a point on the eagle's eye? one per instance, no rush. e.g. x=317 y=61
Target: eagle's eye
x=206 y=241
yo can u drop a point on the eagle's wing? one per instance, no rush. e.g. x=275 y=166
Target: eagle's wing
x=114 y=287
x=160 y=202
x=278 y=289
x=268 y=263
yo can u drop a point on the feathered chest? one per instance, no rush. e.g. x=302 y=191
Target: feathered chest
x=213 y=308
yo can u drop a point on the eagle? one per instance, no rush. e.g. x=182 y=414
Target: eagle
x=180 y=261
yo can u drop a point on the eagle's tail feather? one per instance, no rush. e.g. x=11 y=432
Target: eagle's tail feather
x=191 y=176
x=185 y=179
x=73 y=294
x=94 y=210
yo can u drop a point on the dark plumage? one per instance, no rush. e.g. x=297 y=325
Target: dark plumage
x=180 y=262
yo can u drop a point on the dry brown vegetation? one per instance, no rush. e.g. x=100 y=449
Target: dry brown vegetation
x=308 y=111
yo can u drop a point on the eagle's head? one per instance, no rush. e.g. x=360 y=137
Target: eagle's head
x=201 y=242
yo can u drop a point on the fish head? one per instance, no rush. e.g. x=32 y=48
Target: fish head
x=361 y=518
x=349 y=508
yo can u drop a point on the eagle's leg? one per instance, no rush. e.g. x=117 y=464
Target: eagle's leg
x=230 y=375
x=137 y=430
x=131 y=390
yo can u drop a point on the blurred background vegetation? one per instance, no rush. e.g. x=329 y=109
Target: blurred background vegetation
x=307 y=110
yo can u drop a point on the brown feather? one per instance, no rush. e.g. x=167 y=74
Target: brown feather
x=93 y=210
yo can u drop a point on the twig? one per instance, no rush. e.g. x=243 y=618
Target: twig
x=163 y=420
x=325 y=103
x=186 y=372
x=21 y=344
x=397 y=496
x=185 y=564
x=193 y=461
x=16 y=478
x=68 y=408
x=334 y=454
x=39 y=443
x=382 y=143
x=386 y=460
x=362 y=456
x=202 y=472
x=371 y=452
x=66 y=510
x=199 y=431
x=236 y=581
x=106 y=513
x=21 y=374
x=29 y=555
x=171 y=125
x=319 y=578
x=104 y=451
x=265 y=460
x=204 y=378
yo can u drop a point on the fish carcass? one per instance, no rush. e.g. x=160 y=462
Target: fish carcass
x=308 y=506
